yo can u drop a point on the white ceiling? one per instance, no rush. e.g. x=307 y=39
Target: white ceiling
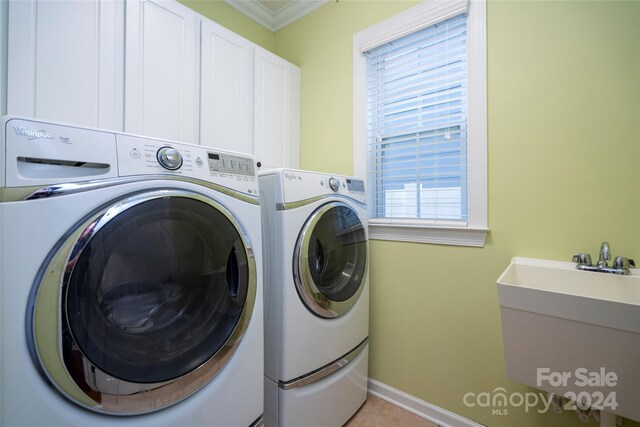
x=275 y=14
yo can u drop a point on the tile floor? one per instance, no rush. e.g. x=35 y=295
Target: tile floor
x=379 y=413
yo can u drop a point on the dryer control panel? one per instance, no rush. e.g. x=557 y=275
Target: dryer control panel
x=355 y=185
x=301 y=185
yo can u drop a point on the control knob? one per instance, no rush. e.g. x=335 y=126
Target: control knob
x=334 y=184
x=169 y=158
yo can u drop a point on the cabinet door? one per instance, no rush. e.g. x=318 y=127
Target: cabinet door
x=161 y=72
x=65 y=61
x=277 y=111
x=226 y=91
x=4 y=12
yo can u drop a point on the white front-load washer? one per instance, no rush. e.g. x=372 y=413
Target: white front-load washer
x=316 y=297
x=131 y=281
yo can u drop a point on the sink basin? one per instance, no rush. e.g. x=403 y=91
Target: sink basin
x=556 y=318
x=558 y=289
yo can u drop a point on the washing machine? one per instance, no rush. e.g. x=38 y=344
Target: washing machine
x=131 y=281
x=316 y=297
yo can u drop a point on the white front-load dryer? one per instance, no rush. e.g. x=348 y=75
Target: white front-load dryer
x=316 y=297
x=131 y=281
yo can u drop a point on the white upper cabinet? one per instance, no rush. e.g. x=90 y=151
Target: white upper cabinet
x=226 y=89
x=65 y=61
x=161 y=73
x=276 y=111
x=4 y=19
x=149 y=67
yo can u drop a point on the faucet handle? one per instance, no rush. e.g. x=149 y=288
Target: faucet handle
x=623 y=263
x=582 y=259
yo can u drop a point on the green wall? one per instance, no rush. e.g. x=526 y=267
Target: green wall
x=220 y=12
x=564 y=155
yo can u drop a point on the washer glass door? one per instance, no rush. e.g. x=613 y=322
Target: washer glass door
x=330 y=260
x=155 y=288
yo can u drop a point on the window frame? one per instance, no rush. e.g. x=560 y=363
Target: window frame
x=474 y=231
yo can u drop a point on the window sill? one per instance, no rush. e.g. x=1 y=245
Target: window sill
x=456 y=236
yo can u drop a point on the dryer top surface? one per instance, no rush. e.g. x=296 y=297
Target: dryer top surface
x=300 y=185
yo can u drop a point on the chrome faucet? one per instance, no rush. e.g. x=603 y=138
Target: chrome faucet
x=605 y=255
x=621 y=265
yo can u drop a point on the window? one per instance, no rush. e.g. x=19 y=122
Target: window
x=420 y=123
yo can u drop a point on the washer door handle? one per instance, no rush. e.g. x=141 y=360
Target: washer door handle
x=233 y=274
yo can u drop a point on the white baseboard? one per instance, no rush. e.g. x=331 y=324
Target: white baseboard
x=423 y=409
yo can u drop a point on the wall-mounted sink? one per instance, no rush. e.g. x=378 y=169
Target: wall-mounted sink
x=557 y=319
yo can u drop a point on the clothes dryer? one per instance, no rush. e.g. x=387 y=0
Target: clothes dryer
x=131 y=280
x=316 y=297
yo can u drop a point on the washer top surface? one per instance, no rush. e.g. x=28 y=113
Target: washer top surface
x=39 y=152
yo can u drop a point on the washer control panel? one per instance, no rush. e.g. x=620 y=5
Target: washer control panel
x=169 y=158
x=148 y=156
x=230 y=163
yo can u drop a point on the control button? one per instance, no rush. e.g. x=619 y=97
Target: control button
x=198 y=161
x=334 y=184
x=169 y=158
x=134 y=153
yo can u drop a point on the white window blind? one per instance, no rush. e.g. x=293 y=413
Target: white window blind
x=417 y=125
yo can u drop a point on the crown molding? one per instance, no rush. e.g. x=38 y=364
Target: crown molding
x=255 y=11
x=275 y=21
x=294 y=11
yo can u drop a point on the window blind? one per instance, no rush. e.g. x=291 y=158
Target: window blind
x=417 y=125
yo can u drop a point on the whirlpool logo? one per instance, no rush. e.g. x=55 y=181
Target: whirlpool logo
x=32 y=134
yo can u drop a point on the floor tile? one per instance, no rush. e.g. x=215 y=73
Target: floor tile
x=379 y=413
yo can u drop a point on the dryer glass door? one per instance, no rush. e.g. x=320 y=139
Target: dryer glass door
x=330 y=260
